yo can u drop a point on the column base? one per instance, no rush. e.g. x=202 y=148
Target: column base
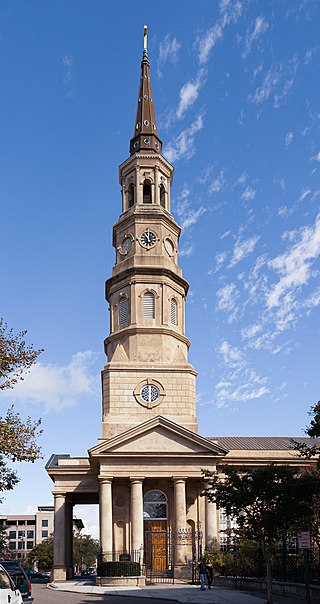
x=182 y=571
x=59 y=573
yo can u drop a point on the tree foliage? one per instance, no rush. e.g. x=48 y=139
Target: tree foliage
x=85 y=550
x=42 y=554
x=16 y=356
x=313 y=430
x=265 y=502
x=18 y=437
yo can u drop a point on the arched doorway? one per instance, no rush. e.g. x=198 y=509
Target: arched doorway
x=156 y=536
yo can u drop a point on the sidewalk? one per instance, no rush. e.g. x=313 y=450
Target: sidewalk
x=179 y=592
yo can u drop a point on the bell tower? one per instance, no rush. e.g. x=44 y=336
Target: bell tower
x=147 y=372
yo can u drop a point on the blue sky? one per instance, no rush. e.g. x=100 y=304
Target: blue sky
x=236 y=89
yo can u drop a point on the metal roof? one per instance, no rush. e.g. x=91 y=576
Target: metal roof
x=262 y=443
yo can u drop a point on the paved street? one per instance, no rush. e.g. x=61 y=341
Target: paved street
x=81 y=592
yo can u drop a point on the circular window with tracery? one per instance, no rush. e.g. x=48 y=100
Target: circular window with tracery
x=149 y=393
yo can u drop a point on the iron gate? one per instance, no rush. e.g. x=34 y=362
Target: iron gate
x=159 y=553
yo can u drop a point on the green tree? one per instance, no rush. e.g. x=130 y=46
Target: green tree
x=42 y=555
x=265 y=503
x=85 y=550
x=18 y=437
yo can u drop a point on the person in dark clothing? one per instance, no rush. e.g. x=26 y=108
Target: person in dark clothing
x=202 y=568
x=210 y=574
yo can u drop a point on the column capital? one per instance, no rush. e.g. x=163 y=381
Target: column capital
x=136 y=478
x=179 y=478
x=105 y=479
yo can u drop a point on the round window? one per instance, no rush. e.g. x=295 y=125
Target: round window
x=150 y=393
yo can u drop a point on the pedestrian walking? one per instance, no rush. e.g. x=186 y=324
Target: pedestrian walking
x=202 y=568
x=210 y=574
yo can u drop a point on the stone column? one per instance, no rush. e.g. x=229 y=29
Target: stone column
x=59 y=549
x=138 y=187
x=156 y=186
x=136 y=513
x=211 y=531
x=105 y=511
x=69 y=538
x=181 y=542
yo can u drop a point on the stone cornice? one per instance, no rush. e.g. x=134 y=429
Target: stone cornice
x=134 y=160
x=145 y=271
x=134 y=330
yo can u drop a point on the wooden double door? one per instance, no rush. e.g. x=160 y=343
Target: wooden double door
x=158 y=549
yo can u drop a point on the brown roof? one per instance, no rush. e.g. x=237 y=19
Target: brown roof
x=263 y=443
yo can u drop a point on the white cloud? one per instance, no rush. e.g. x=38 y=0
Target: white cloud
x=281 y=77
x=317 y=156
x=89 y=514
x=304 y=194
x=220 y=258
x=217 y=183
x=294 y=266
x=242 y=249
x=230 y=12
x=240 y=383
x=186 y=250
x=260 y=27
x=183 y=145
x=56 y=387
x=248 y=194
x=67 y=61
x=227 y=298
x=168 y=51
x=288 y=139
x=189 y=93
x=191 y=217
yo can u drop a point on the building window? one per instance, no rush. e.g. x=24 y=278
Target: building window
x=29 y=544
x=21 y=544
x=148 y=305
x=12 y=545
x=45 y=523
x=130 y=196
x=21 y=534
x=12 y=534
x=173 y=312
x=123 y=311
x=31 y=522
x=30 y=534
x=162 y=196
x=147 y=191
x=155 y=505
x=44 y=533
x=21 y=522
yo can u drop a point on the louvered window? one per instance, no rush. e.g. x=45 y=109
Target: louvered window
x=148 y=305
x=162 y=196
x=147 y=191
x=130 y=196
x=123 y=310
x=173 y=312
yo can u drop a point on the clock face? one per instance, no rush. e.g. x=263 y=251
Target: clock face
x=148 y=239
x=126 y=245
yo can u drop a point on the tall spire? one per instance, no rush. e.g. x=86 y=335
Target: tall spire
x=145 y=137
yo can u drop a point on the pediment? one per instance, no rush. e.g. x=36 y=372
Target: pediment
x=157 y=436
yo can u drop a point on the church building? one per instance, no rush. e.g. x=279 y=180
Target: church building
x=145 y=471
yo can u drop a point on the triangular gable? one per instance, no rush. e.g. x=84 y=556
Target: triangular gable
x=157 y=435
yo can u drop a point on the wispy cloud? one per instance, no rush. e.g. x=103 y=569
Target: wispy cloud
x=242 y=249
x=189 y=93
x=229 y=13
x=295 y=265
x=227 y=298
x=191 y=217
x=288 y=139
x=276 y=83
x=217 y=183
x=183 y=146
x=248 y=194
x=168 y=51
x=57 y=387
x=239 y=382
x=260 y=26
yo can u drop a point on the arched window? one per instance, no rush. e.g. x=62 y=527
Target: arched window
x=148 y=305
x=162 y=196
x=123 y=310
x=130 y=195
x=147 y=191
x=155 y=505
x=173 y=312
